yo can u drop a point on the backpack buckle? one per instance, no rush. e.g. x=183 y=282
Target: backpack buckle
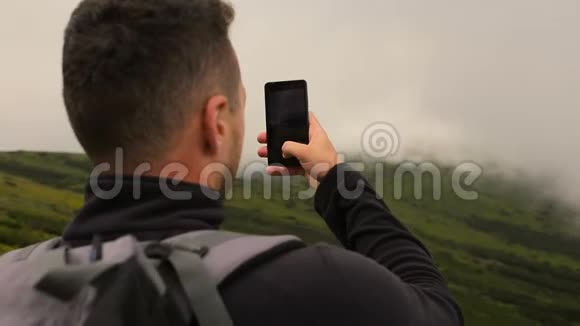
x=162 y=251
x=96 y=253
x=202 y=251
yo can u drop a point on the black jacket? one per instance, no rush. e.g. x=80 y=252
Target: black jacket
x=385 y=277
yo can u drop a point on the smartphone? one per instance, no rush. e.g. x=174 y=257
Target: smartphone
x=286 y=118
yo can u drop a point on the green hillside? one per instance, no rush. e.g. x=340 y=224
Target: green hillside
x=512 y=257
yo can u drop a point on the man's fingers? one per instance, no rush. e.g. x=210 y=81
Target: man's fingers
x=293 y=149
x=263 y=151
x=262 y=138
x=313 y=120
x=314 y=125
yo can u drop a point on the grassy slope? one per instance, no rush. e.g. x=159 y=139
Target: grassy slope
x=511 y=257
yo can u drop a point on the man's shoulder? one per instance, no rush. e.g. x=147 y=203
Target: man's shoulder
x=305 y=286
x=320 y=256
x=312 y=269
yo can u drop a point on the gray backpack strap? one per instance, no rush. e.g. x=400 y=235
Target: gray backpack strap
x=207 y=258
x=29 y=252
x=228 y=251
x=202 y=293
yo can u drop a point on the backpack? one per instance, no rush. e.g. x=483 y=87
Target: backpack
x=126 y=282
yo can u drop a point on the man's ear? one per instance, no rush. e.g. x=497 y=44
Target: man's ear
x=214 y=127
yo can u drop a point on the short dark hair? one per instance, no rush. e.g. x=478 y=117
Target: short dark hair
x=133 y=69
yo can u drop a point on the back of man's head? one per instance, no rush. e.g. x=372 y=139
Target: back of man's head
x=134 y=71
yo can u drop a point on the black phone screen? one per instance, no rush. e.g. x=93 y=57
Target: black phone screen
x=286 y=118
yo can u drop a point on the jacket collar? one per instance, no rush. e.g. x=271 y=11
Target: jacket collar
x=146 y=207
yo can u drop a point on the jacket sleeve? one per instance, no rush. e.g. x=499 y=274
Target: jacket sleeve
x=402 y=265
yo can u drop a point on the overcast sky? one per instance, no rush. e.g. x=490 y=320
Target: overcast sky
x=468 y=80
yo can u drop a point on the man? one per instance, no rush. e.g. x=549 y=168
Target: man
x=159 y=79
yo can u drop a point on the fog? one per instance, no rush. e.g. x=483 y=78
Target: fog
x=486 y=81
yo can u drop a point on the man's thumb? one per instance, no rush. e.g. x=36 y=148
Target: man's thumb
x=293 y=149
